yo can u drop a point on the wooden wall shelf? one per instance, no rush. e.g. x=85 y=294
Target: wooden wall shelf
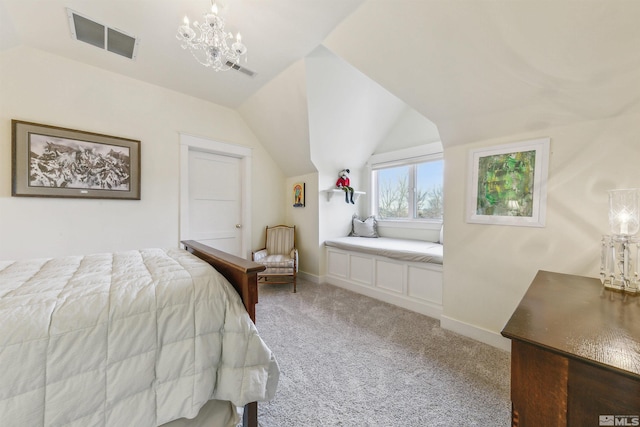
x=331 y=193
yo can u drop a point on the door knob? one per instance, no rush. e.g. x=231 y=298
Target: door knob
x=238 y=225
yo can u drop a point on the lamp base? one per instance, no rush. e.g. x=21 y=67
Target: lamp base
x=619 y=263
x=623 y=288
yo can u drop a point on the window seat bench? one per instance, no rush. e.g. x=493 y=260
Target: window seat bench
x=401 y=249
x=404 y=272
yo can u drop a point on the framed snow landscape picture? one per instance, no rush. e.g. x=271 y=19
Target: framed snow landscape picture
x=50 y=161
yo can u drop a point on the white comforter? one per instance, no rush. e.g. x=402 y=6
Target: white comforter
x=134 y=338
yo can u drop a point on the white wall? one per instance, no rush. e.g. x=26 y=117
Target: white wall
x=306 y=221
x=39 y=87
x=277 y=114
x=348 y=113
x=334 y=215
x=488 y=268
x=410 y=130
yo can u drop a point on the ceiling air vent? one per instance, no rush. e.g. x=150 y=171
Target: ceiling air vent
x=89 y=31
x=240 y=68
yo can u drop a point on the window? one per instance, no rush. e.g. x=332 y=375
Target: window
x=408 y=190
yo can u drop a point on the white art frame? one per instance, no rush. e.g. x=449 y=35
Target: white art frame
x=500 y=179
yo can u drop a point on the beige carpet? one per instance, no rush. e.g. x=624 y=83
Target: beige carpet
x=349 y=360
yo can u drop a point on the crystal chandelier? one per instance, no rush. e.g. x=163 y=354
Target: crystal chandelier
x=207 y=41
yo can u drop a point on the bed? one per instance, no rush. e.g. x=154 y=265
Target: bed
x=146 y=338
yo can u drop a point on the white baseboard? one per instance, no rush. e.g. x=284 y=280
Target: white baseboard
x=422 y=307
x=477 y=333
x=309 y=277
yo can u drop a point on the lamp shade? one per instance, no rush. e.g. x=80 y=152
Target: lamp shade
x=624 y=211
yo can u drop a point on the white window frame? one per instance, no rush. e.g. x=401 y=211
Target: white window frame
x=405 y=157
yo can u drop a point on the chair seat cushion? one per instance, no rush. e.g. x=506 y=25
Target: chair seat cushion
x=277 y=261
x=277 y=272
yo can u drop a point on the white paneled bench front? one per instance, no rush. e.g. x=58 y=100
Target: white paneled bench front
x=407 y=273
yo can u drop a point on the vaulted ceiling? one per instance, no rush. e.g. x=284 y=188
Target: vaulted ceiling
x=480 y=69
x=335 y=74
x=276 y=32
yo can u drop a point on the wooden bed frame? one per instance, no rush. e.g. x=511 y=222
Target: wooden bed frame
x=243 y=275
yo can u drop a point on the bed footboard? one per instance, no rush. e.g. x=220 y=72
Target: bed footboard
x=243 y=275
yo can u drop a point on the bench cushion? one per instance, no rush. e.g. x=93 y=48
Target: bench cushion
x=401 y=249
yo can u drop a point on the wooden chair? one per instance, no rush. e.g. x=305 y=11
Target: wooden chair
x=279 y=255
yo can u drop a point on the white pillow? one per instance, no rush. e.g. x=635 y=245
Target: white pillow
x=364 y=228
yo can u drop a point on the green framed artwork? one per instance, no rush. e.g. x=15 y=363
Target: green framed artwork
x=508 y=184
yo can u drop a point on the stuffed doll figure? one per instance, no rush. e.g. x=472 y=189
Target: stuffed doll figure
x=345 y=184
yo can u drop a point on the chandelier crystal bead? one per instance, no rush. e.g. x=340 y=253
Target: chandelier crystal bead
x=208 y=41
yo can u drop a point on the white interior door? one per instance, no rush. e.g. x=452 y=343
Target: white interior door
x=215 y=201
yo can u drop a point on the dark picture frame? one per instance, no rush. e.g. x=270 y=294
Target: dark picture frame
x=298 y=194
x=51 y=161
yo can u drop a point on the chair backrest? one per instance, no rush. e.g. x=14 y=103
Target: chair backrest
x=280 y=239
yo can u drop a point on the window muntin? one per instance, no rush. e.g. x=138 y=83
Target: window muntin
x=429 y=189
x=409 y=191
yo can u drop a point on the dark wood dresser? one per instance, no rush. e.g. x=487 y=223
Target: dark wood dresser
x=575 y=354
